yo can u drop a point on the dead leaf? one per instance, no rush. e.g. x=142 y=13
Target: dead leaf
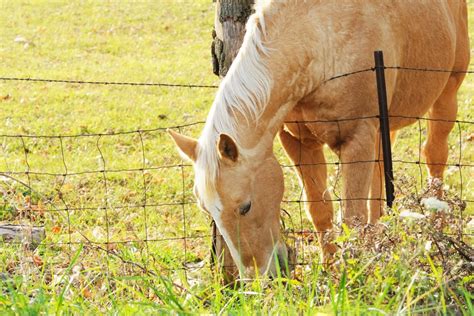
x=56 y=229
x=28 y=201
x=5 y=97
x=111 y=246
x=39 y=208
x=86 y=293
x=37 y=260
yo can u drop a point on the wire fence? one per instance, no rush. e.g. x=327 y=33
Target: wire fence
x=139 y=209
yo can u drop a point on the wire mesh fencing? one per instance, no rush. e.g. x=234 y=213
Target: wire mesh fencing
x=126 y=197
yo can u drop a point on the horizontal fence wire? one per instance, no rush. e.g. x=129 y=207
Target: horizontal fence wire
x=111 y=83
x=182 y=199
x=188 y=85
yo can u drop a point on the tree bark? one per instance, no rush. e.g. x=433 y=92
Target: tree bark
x=228 y=33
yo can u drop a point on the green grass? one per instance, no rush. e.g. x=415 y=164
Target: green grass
x=169 y=41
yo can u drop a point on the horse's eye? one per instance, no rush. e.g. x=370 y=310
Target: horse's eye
x=245 y=208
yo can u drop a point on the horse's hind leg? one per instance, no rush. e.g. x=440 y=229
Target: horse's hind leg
x=309 y=158
x=441 y=121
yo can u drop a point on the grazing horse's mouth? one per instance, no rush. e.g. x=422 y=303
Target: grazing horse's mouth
x=286 y=260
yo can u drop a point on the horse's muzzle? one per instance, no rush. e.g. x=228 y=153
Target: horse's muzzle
x=286 y=261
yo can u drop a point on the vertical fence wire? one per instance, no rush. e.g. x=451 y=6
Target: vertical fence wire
x=105 y=206
x=420 y=146
x=183 y=208
x=303 y=191
x=459 y=166
x=61 y=196
x=29 y=190
x=144 y=198
x=339 y=166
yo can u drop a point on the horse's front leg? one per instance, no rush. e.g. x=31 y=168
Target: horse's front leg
x=357 y=155
x=310 y=163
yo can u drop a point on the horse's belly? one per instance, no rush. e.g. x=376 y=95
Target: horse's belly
x=307 y=123
x=413 y=95
x=333 y=120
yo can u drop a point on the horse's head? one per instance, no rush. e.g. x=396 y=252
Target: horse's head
x=243 y=199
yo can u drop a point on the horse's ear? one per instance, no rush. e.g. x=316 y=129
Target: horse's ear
x=186 y=145
x=227 y=148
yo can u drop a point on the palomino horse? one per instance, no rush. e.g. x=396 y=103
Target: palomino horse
x=280 y=74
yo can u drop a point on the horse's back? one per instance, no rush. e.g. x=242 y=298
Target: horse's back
x=412 y=34
x=437 y=38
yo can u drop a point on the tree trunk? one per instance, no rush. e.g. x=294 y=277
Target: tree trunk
x=228 y=34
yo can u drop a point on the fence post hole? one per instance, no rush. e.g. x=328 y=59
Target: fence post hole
x=384 y=126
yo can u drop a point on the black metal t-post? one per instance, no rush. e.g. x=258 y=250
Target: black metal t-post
x=384 y=127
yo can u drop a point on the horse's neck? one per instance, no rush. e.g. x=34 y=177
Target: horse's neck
x=288 y=88
x=263 y=85
x=257 y=134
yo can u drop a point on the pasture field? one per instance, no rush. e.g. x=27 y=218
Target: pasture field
x=114 y=240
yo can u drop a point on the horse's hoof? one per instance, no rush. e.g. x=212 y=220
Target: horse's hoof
x=328 y=255
x=435 y=187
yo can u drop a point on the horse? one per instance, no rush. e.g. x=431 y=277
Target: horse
x=278 y=85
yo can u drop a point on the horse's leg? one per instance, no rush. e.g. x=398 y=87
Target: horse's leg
x=357 y=159
x=378 y=184
x=312 y=171
x=436 y=146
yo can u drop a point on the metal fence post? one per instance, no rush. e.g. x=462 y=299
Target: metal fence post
x=384 y=126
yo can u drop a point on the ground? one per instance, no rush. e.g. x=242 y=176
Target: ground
x=95 y=257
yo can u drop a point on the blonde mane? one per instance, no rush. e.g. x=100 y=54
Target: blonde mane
x=245 y=91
